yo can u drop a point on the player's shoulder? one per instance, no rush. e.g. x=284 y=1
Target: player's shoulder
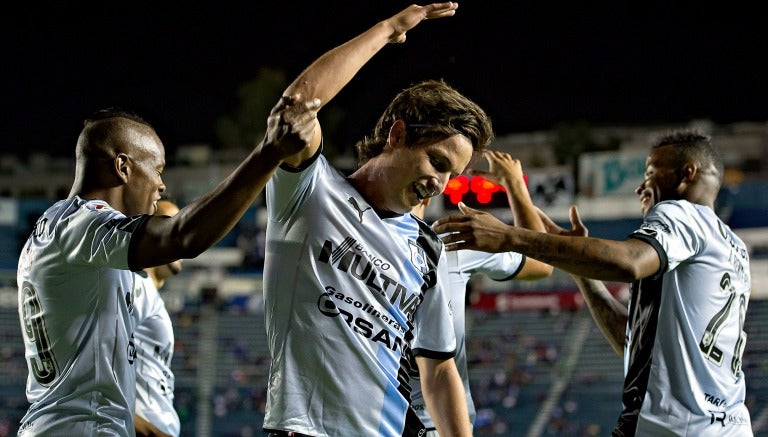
x=75 y=206
x=670 y=206
x=684 y=214
x=79 y=212
x=677 y=213
x=97 y=206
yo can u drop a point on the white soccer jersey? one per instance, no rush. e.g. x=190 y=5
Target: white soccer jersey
x=344 y=287
x=685 y=333
x=75 y=304
x=154 y=351
x=454 y=274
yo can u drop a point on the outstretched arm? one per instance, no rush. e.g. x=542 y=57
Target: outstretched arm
x=327 y=75
x=507 y=171
x=609 y=314
x=293 y=135
x=608 y=260
x=202 y=223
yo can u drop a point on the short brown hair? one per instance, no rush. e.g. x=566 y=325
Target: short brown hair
x=432 y=111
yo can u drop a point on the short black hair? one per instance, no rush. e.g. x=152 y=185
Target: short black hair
x=692 y=144
x=115 y=111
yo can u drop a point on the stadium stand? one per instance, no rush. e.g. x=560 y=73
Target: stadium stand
x=533 y=372
x=516 y=359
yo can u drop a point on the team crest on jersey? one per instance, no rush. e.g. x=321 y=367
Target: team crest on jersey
x=96 y=205
x=418 y=257
x=653 y=228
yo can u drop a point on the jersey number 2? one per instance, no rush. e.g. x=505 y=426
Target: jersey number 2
x=716 y=325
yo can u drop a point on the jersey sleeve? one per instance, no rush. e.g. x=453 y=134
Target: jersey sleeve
x=98 y=235
x=434 y=336
x=497 y=266
x=674 y=231
x=290 y=186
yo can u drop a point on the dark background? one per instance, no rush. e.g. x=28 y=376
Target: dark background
x=530 y=64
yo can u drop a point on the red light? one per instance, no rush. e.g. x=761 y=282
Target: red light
x=456 y=188
x=484 y=189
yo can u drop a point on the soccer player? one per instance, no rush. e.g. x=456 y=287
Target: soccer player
x=682 y=336
x=461 y=265
x=155 y=414
x=350 y=275
x=76 y=271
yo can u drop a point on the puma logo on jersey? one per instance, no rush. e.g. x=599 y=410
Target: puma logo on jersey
x=360 y=212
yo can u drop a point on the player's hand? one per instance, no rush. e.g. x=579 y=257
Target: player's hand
x=409 y=17
x=503 y=169
x=577 y=226
x=291 y=124
x=473 y=229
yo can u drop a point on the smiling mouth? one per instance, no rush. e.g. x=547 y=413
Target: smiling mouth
x=645 y=202
x=422 y=192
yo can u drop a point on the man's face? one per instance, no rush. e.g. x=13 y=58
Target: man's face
x=418 y=172
x=661 y=179
x=145 y=182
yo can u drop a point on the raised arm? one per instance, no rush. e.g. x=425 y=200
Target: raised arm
x=202 y=223
x=596 y=258
x=293 y=135
x=507 y=171
x=609 y=314
x=327 y=75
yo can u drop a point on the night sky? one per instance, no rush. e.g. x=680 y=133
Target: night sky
x=530 y=64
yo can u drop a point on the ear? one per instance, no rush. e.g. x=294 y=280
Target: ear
x=122 y=167
x=397 y=134
x=689 y=172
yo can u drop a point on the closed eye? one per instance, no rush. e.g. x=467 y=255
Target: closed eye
x=439 y=164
